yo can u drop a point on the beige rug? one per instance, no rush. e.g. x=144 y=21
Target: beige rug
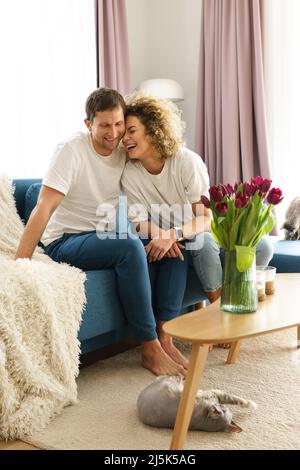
x=267 y=371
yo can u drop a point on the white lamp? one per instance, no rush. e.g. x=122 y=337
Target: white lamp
x=162 y=88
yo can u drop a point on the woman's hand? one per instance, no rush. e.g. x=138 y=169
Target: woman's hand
x=175 y=251
x=157 y=248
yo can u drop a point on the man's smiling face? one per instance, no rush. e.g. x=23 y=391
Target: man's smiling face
x=107 y=129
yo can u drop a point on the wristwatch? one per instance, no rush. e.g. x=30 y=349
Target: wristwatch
x=178 y=233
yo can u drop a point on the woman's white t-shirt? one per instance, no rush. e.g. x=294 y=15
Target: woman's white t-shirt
x=166 y=198
x=91 y=184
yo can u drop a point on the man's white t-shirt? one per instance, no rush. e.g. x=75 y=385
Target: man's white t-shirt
x=170 y=194
x=91 y=184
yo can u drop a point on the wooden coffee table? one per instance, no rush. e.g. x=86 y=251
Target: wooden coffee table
x=212 y=326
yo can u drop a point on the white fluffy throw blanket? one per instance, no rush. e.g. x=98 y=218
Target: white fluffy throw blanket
x=41 y=304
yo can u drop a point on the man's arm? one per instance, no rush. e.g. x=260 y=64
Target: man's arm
x=49 y=199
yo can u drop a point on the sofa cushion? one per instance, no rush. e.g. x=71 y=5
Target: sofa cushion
x=103 y=312
x=20 y=188
x=31 y=198
x=286 y=256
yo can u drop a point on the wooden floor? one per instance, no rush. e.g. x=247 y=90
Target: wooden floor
x=16 y=445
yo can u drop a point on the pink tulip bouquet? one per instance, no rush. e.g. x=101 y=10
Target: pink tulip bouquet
x=242 y=216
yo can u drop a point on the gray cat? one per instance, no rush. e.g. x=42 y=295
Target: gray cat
x=291 y=225
x=158 y=403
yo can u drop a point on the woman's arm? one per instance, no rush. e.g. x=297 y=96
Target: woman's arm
x=198 y=224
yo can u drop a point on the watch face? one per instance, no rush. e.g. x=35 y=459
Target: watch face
x=178 y=232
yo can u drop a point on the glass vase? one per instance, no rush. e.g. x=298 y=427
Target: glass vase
x=239 y=292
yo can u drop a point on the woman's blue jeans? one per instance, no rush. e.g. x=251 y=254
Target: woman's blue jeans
x=207 y=258
x=168 y=282
x=126 y=255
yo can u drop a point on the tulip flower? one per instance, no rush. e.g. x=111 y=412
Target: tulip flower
x=274 y=196
x=221 y=208
x=205 y=201
x=266 y=186
x=241 y=200
x=216 y=193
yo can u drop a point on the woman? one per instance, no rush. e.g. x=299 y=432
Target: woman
x=163 y=182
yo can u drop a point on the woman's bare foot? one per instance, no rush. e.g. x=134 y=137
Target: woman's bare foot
x=213 y=295
x=174 y=353
x=158 y=361
x=223 y=345
x=168 y=346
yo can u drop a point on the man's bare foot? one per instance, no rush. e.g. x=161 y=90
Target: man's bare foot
x=158 y=361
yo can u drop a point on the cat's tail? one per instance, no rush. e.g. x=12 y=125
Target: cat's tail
x=249 y=404
x=229 y=399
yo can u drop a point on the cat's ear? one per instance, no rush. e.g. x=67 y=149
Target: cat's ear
x=233 y=427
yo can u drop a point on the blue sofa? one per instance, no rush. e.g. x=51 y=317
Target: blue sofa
x=286 y=256
x=104 y=322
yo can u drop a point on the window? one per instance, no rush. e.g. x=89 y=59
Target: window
x=48 y=68
x=282 y=71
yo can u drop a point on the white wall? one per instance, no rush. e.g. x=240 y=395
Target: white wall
x=164 y=43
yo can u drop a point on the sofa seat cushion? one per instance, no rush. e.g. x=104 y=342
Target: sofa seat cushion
x=103 y=311
x=286 y=256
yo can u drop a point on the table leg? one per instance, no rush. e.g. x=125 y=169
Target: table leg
x=298 y=336
x=233 y=352
x=187 y=402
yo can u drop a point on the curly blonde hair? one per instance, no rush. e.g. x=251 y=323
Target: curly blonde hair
x=162 y=121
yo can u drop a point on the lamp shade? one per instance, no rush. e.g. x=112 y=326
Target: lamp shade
x=162 y=88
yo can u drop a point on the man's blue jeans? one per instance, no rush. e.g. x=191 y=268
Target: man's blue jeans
x=126 y=255
x=207 y=259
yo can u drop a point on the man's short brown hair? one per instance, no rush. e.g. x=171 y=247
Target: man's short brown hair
x=101 y=100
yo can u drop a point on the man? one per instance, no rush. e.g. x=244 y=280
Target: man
x=85 y=172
